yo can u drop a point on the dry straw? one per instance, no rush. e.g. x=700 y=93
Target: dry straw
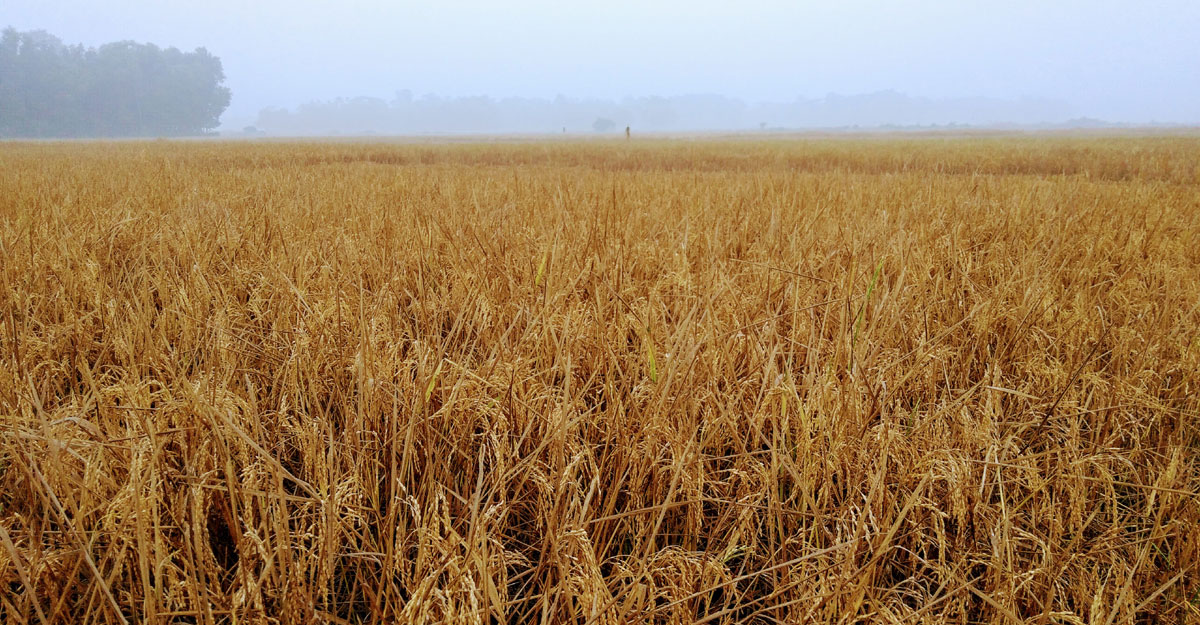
x=896 y=381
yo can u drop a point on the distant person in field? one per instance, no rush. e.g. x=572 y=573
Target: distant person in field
x=627 y=132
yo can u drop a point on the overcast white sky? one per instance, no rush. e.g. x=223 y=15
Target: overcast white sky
x=1118 y=60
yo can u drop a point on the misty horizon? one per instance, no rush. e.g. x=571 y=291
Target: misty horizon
x=406 y=113
x=1105 y=60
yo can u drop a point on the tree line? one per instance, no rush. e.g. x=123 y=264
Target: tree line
x=406 y=114
x=121 y=89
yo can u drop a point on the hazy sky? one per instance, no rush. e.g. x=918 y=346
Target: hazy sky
x=1118 y=60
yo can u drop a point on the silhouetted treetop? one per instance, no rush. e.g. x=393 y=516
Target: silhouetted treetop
x=49 y=89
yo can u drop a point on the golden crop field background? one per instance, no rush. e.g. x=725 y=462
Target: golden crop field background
x=888 y=380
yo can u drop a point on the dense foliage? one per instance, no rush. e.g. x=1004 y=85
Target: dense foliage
x=49 y=89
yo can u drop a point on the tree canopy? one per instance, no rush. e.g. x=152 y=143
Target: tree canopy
x=49 y=89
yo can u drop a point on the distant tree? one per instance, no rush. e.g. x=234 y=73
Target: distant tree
x=48 y=89
x=603 y=124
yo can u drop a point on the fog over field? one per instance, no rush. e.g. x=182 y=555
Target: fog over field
x=771 y=62
x=698 y=311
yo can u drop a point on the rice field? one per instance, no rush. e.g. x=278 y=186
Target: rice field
x=926 y=379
